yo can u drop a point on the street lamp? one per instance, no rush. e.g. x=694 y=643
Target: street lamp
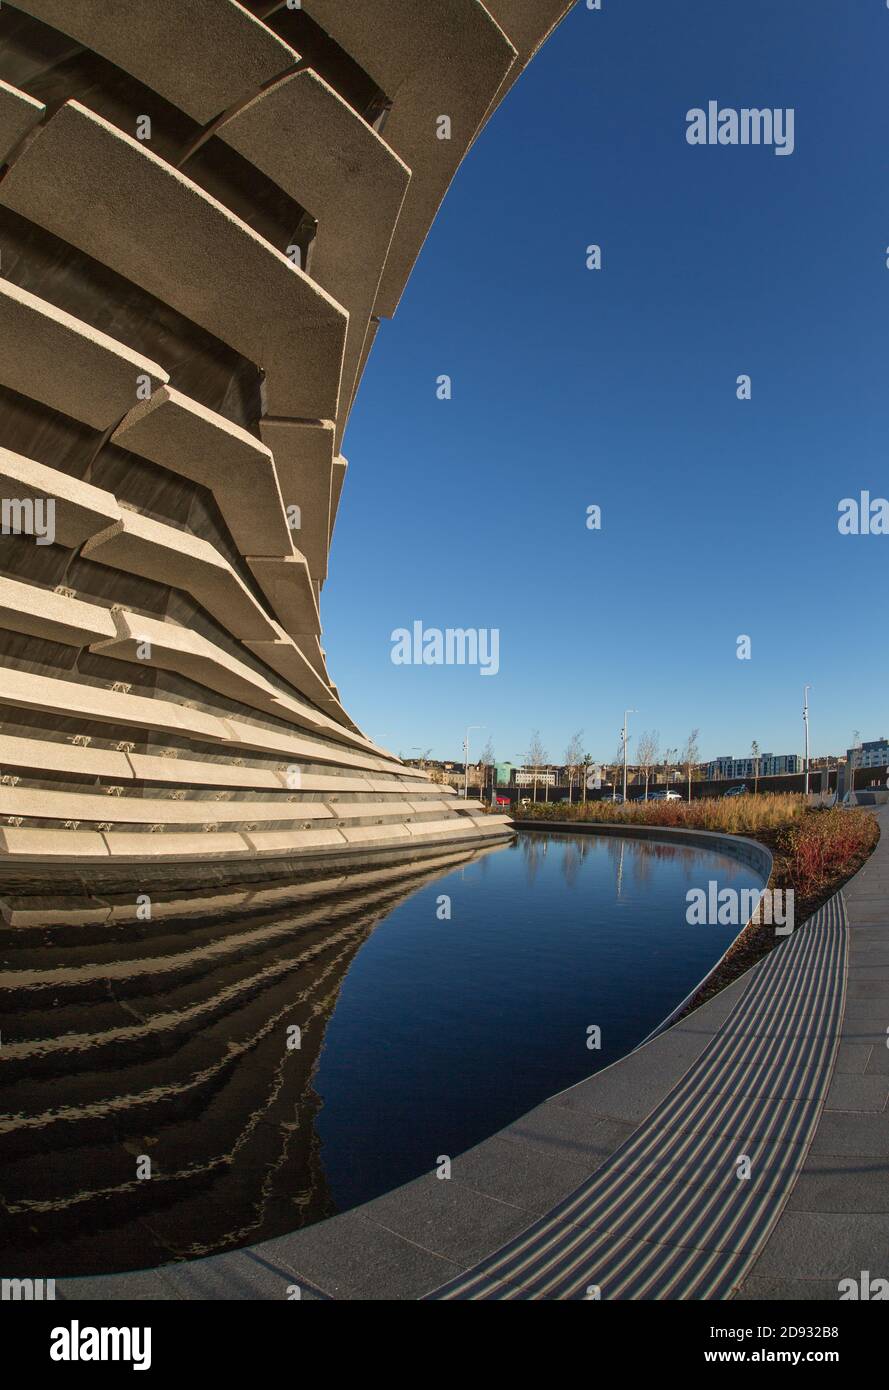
x=469 y=727
x=626 y=712
x=806 y=689
x=856 y=736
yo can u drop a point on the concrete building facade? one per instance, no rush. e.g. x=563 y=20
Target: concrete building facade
x=874 y=753
x=765 y=765
x=206 y=210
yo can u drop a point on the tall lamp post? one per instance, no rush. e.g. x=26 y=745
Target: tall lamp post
x=469 y=728
x=626 y=712
x=806 y=689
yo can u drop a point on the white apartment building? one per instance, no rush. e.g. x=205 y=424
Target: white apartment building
x=766 y=765
x=543 y=778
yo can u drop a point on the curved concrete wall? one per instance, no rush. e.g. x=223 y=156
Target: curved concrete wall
x=205 y=208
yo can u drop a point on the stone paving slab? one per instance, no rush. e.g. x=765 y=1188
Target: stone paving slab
x=148 y=1285
x=630 y=1091
x=566 y=1129
x=836 y=1183
x=513 y=1173
x=350 y=1258
x=782 y=1290
x=826 y=1245
x=852 y=1057
x=447 y=1218
x=858 y=1093
x=854 y=1132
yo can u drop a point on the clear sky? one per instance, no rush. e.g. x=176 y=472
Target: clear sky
x=617 y=388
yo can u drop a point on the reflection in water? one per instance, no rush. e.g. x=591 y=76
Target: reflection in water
x=167 y=1039
x=420 y=1032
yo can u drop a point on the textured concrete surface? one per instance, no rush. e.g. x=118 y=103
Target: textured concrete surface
x=182 y=435
x=351 y=181
x=99 y=189
x=401 y=45
x=19 y=113
x=163 y=201
x=202 y=55
x=55 y=358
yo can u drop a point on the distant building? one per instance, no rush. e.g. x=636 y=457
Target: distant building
x=543 y=777
x=780 y=765
x=765 y=765
x=872 y=754
x=720 y=768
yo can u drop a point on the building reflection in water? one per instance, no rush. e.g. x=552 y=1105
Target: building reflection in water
x=188 y=1038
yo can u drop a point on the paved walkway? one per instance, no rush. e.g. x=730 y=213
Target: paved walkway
x=836 y=1221
x=683 y=1207
x=630 y=1182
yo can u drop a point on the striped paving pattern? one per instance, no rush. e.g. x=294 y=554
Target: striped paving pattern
x=667 y=1215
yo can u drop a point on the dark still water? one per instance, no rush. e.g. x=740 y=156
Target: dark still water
x=256 y=1057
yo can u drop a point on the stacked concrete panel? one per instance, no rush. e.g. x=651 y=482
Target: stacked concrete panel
x=206 y=207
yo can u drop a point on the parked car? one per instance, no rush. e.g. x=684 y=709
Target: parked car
x=667 y=794
x=743 y=790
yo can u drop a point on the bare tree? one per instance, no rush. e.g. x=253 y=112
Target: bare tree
x=646 y=754
x=535 y=757
x=690 y=756
x=754 y=748
x=574 y=759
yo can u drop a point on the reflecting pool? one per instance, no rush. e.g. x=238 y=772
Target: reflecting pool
x=252 y=1058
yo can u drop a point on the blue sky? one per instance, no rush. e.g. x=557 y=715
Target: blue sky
x=618 y=388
